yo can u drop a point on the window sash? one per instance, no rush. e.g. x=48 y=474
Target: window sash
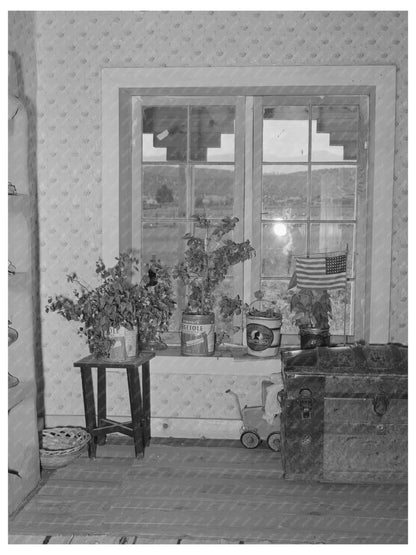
x=248 y=166
x=358 y=250
x=138 y=103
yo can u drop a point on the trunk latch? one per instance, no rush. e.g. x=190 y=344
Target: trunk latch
x=305 y=403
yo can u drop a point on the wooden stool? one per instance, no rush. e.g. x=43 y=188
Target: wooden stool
x=139 y=426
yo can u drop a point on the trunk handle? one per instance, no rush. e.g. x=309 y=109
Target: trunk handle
x=380 y=404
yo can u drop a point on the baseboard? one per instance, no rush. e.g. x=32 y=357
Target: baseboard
x=168 y=427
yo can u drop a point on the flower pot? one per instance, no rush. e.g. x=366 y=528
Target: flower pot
x=310 y=338
x=263 y=336
x=124 y=343
x=197 y=334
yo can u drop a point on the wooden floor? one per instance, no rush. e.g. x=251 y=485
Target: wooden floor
x=187 y=491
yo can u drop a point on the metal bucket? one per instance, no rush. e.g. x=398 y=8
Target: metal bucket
x=263 y=336
x=310 y=338
x=197 y=334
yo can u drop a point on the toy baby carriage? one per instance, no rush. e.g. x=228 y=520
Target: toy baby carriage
x=261 y=423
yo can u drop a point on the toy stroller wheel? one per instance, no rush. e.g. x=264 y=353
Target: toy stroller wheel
x=250 y=440
x=273 y=441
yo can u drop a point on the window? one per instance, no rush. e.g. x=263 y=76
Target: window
x=189 y=155
x=371 y=265
x=310 y=158
x=305 y=157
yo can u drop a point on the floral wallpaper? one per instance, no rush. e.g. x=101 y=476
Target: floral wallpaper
x=63 y=76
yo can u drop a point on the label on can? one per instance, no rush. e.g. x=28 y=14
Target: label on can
x=197 y=338
x=259 y=337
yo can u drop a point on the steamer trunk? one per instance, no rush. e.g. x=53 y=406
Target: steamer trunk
x=344 y=414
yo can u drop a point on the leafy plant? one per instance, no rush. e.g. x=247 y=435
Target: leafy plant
x=207 y=261
x=117 y=301
x=157 y=304
x=312 y=308
x=263 y=308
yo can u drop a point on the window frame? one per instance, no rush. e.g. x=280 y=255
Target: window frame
x=139 y=102
x=357 y=278
x=379 y=82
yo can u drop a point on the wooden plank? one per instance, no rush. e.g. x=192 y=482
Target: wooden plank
x=103 y=539
x=231 y=513
x=126 y=521
x=273 y=464
x=75 y=507
x=155 y=539
x=162 y=535
x=278 y=489
x=263 y=520
x=21 y=538
x=60 y=539
x=260 y=533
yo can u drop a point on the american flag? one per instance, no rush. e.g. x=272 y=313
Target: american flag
x=324 y=272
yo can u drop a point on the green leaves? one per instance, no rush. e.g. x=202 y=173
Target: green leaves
x=116 y=302
x=207 y=261
x=312 y=307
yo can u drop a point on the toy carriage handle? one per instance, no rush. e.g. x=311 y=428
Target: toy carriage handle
x=237 y=402
x=380 y=404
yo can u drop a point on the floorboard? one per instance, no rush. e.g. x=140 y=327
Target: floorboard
x=203 y=492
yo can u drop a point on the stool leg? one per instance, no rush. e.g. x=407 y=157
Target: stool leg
x=89 y=408
x=136 y=409
x=102 y=403
x=146 y=401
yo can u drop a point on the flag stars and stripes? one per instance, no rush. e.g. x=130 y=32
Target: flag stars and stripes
x=324 y=272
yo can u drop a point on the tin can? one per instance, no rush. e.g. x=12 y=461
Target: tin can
x=263 y=336
x=197 y=334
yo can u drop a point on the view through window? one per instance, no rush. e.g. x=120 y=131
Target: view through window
x=308 y=182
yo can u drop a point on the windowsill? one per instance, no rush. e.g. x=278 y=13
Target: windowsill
x=226 y=361
x=236 y=352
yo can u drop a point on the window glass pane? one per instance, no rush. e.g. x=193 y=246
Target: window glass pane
x=164 y=133
x=333 y=192
x=164 y=191
x=280 y=242
x=333 y=237
x=163 y=240
x=276 y=290
x=334 y=133
x=212 y=133
x=226 y=288
x=340 y=311
x=213 y=188
x=285 y=134
x=284 y=192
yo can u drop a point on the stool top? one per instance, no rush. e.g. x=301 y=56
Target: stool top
x=138 y=360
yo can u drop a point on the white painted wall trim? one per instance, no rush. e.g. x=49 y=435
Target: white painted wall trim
x=209 y=428
x=382 y=78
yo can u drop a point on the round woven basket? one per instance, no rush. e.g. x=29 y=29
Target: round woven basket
x=60 y=446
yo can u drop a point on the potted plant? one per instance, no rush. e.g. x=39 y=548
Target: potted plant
x=112 y=313
x=263 y=323
x=205 y=265
x=312 y=308
x=157 y=306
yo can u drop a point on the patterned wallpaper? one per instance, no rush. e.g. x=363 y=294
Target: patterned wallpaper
x=71 y=50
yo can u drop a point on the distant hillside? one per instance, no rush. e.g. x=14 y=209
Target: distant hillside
x=276 y=187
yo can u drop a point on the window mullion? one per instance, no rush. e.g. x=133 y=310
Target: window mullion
x=249 y=215
x=257 y=190
x=309 y=184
